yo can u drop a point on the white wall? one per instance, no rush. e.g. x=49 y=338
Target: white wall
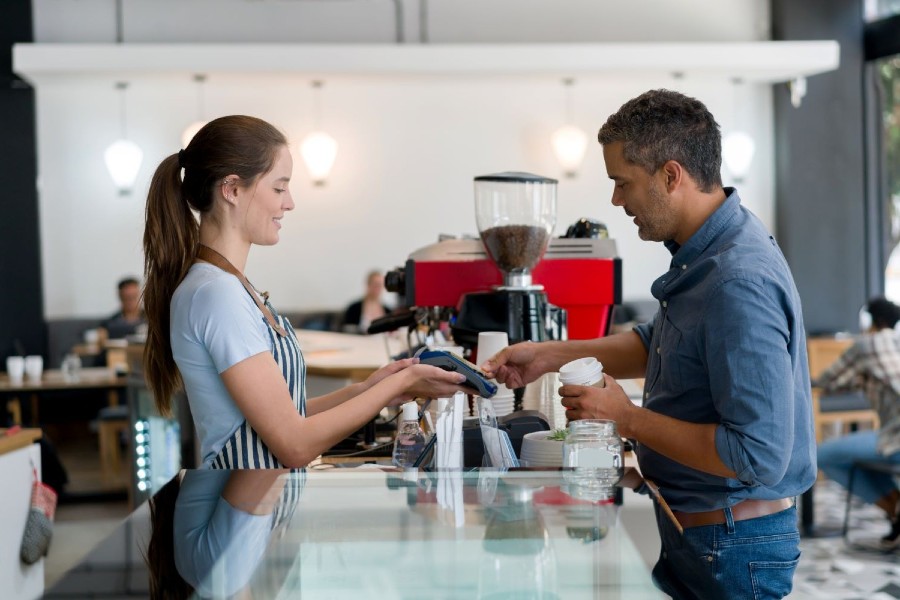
x=409 y=148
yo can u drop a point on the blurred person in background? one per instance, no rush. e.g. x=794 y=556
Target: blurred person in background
x=872 y=365
x=130 y=315
x=360 y=314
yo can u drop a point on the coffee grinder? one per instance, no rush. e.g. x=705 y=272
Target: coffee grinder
x=515 y=214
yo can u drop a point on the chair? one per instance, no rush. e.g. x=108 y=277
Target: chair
x=113 y=421
x=844 y=408
x=865 y=465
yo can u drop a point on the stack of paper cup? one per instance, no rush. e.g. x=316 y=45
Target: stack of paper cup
x=34 y=367
x=489 y=344
x=15 y=368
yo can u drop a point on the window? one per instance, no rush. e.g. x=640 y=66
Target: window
x=879 y=9
x=888 y=70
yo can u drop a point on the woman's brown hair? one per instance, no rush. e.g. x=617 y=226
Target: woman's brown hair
x=166 y=583
x=233 y=145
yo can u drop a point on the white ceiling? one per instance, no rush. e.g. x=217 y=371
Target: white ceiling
x=381 y=21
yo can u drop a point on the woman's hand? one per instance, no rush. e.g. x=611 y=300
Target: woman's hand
x=426 y=381
x=388 y=370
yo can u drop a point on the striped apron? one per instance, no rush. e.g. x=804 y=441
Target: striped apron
x=246 y=449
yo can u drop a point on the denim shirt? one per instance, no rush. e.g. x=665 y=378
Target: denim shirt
x=727 y=346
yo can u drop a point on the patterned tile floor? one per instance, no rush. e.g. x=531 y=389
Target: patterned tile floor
x=831 y=569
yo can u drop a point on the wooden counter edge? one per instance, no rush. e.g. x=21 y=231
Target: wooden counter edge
x=20 y=439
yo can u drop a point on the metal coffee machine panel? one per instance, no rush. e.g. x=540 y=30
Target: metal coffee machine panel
x=515 y=278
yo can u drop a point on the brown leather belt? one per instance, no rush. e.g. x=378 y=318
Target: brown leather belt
x=748 y=509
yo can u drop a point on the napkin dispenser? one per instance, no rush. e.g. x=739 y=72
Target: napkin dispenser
x=516 y=425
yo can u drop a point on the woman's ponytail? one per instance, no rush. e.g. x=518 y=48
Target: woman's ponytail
x=171 y=236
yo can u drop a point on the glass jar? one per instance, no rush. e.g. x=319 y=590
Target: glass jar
x=71 y=367
x=593 y=449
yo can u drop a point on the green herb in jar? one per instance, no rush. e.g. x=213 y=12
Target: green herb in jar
x=558 y=435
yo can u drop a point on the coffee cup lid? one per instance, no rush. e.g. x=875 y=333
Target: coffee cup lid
x=581 y=371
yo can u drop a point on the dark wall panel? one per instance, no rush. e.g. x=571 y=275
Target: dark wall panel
x=21 y=298
x=820 y=168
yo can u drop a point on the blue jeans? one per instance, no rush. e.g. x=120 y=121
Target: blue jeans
x=755 y=558
x=836 y=456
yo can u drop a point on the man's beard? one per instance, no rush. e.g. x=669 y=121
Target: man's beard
x=656 y=223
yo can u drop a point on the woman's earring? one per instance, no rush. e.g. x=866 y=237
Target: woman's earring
x=228 y=198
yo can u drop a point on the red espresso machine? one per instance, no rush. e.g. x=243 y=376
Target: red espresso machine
x=516 y=278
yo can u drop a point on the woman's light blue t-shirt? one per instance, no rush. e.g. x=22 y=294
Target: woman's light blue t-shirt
x=217 y=546
x=215 y=324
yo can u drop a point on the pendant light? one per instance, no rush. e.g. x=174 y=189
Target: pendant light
x=738 y=146
x=123 y=157
x=737 y=153
x=318 y=149
x=191 y=130
x=569 y=142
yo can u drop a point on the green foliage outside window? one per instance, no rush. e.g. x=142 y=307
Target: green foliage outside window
x=889 y=71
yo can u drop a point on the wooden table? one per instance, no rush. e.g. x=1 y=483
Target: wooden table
x=342 y=355
x=345 y=356
x=99 y=378
x=15 y=438
x=113 y=351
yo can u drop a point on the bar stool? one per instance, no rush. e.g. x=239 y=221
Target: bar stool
x=865 y=465
x=112 y=422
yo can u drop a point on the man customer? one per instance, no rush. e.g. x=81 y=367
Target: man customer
x=130 y=315
x=872 y=364
x=725 y=429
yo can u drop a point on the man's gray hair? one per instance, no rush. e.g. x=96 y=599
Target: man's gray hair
x=662 y=125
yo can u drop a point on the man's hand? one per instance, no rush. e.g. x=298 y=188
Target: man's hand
x=588 y=402
x=516 y=365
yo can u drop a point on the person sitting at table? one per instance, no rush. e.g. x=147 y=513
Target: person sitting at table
x=130 y=316
x=238 y=359
x=360 y=314
x=872 y=364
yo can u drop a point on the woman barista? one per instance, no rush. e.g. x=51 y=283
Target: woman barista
x=208 y=328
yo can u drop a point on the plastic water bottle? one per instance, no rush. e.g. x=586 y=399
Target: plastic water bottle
x=410 y=440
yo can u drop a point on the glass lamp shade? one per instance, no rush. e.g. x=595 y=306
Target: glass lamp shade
x=569 y=145
x=318 y=150
x=123 y=160
x=190 y=131
x=737 y=153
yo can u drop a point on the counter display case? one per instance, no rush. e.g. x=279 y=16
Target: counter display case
x=160 y=445
x=372 y=533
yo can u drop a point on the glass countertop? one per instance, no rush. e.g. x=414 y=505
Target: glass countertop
x=370 y=533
